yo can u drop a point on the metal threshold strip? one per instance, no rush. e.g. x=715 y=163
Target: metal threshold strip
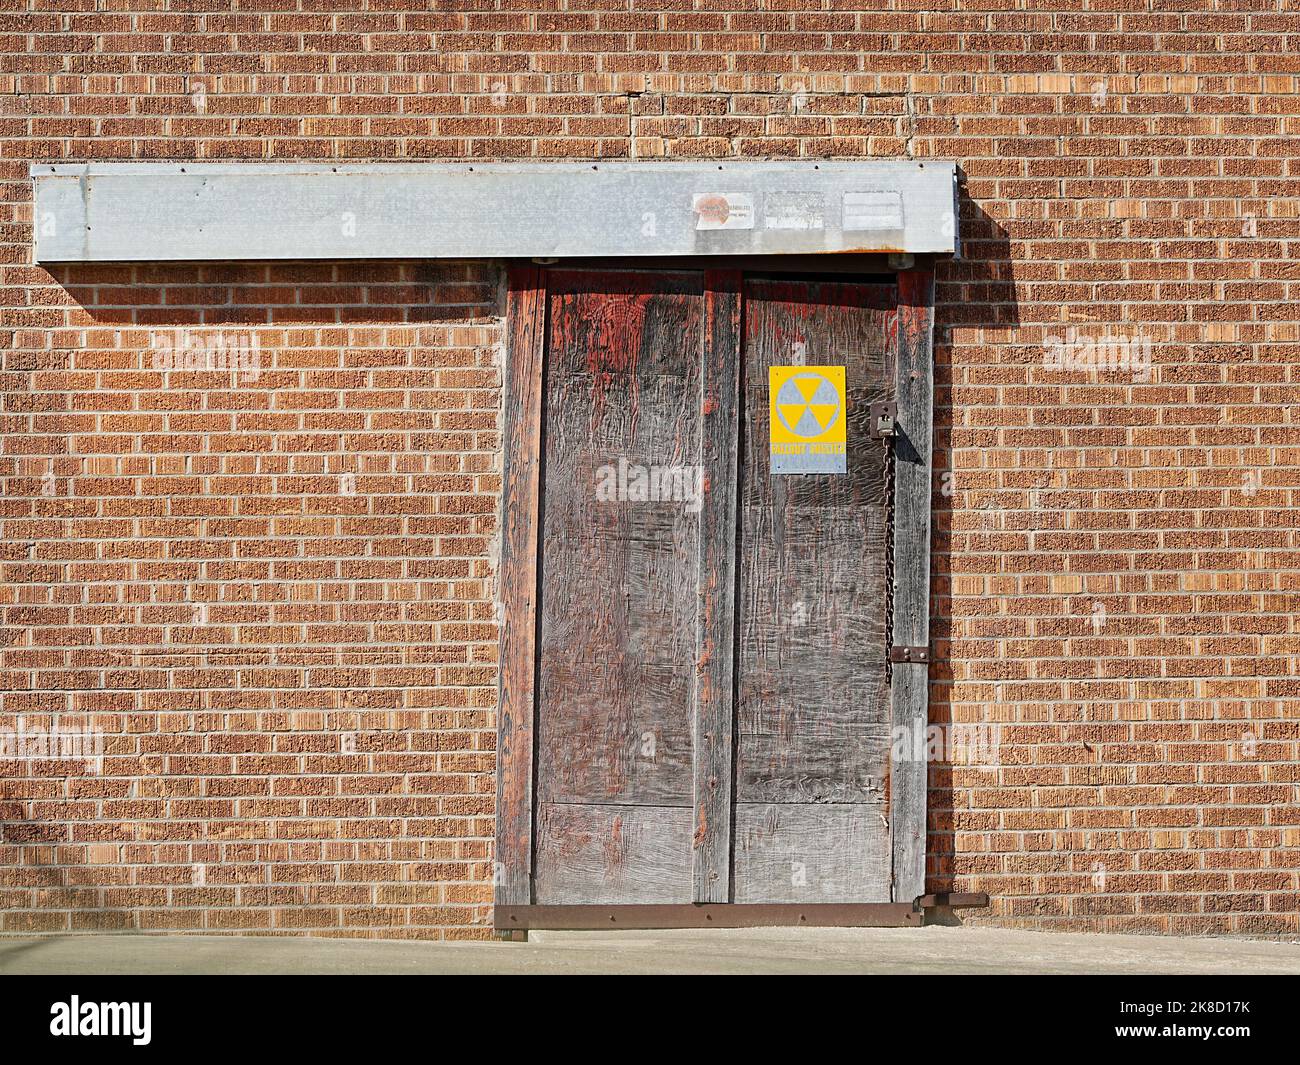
x=731 y=915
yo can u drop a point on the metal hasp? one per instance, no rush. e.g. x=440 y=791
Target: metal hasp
x=161 y=212
x=883 y=414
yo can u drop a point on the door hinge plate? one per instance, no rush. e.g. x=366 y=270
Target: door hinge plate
x=883 y=415
x=898 y=653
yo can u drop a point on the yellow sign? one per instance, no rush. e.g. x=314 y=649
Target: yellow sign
x=808 y=419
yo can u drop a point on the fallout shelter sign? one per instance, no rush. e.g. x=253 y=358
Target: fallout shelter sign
x=807 y=419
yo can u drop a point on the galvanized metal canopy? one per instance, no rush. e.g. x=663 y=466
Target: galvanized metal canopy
x=157 y=212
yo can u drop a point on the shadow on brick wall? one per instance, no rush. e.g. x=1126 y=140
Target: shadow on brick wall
x=281 y=293
x=974 y=293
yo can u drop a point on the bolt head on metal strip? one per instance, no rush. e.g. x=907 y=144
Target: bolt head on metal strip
x=909 y=654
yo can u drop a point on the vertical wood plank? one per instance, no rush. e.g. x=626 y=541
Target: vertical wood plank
x=525 y=321
x=814 y=713
x=715 y=620
x=621 y=497
x=619 y=586
x=814 y=708
x=913 y=444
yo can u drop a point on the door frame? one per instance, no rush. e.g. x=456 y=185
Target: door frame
x=521 y=523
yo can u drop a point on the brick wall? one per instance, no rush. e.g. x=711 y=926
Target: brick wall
x=262 y=569
x=1115 y=559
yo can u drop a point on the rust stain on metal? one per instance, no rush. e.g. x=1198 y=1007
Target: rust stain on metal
x=887 y=249
x=712 y=915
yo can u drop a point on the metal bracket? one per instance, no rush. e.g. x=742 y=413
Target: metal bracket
x=915 y=655
x=954 y=900
x=884 y=414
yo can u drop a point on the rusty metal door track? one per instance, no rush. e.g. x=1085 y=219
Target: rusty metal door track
x=519 y=919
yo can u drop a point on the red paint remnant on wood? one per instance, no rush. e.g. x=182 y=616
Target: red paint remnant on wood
x=615 y=326
x=711 y=847
x=616 y=846
x=514 y=830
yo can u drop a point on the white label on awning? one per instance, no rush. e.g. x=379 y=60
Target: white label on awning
x=794 y=210
x=873 y=210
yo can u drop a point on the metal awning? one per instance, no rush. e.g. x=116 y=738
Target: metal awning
x=158 y=212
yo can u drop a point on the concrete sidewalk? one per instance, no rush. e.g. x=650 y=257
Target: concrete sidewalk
x=737 y=951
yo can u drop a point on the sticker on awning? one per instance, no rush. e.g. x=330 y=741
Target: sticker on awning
x=872 y=210
x=723 y=210
x=794 y=210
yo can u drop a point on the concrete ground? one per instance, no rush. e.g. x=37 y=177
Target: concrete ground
x=737 y=951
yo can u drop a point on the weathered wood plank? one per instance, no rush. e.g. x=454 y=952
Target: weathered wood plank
x=813 y=706
x=794 y=852
x=911 y=614
x=518 y=583
x=619 y=595
x=618 y=629
x=714 y=687
x=613 y=854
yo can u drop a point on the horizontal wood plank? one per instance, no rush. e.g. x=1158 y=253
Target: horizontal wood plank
x=797 y=852
x=616 y=854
